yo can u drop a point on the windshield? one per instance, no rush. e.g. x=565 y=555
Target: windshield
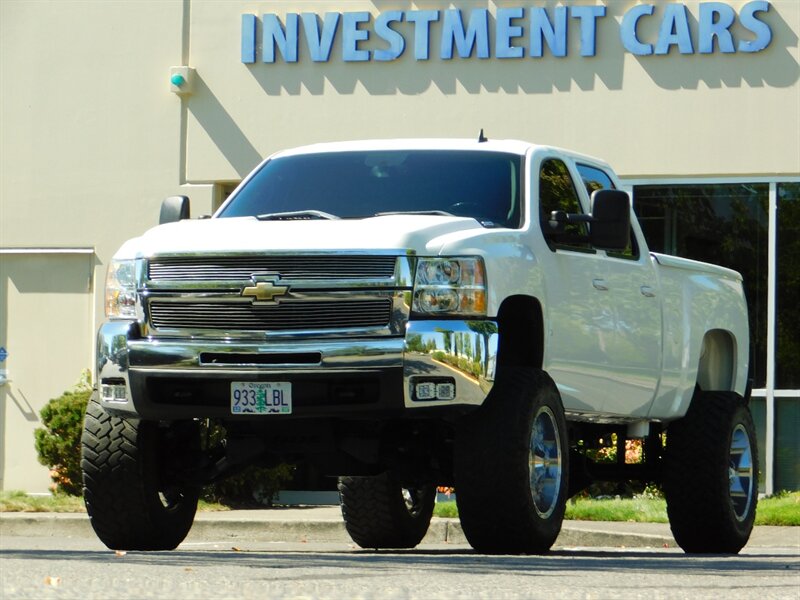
x=351 y=185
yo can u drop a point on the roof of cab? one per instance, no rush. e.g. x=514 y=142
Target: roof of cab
x=512 y=146
x=490 y=145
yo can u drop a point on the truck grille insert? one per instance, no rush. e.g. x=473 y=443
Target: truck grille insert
x=286 y=316
x=237 y=268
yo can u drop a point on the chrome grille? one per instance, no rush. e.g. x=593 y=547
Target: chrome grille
x=298 y=267
x=286 y=316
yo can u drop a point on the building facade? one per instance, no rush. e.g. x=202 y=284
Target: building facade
x=108 y=107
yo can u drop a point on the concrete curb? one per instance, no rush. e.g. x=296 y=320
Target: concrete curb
x=326 y=526
x=311 y=530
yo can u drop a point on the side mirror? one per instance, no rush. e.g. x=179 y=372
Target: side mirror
x=174 y=208
x=611 y=220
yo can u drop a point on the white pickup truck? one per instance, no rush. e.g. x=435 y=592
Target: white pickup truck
x=406 y=314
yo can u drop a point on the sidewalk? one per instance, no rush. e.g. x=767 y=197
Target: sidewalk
x=324 y=524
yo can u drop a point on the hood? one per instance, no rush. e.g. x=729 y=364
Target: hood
x=423 y=234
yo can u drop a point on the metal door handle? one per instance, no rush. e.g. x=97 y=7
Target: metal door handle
x=600 y=284
x=647 y=291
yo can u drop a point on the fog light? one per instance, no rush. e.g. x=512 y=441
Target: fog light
x=439 y=389
x=114 y=393
x=445 y=391
x=426 y=391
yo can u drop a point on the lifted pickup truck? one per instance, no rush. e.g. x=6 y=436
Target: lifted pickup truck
x=411 y=313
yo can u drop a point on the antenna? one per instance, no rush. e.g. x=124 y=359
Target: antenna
x=482 y=138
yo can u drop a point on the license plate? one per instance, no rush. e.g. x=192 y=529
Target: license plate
x=261 y=398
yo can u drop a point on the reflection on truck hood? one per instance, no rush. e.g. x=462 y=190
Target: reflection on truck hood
x=423 y=234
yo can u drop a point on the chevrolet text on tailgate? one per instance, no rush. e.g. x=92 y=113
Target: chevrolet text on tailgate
x=406 y=314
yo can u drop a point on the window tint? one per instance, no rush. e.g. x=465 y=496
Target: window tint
x=723 y=224
x=594 y=179
x=557 y=192
x=787 y=375
x=356 y=184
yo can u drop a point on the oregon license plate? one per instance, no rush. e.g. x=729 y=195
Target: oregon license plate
x=261 y=398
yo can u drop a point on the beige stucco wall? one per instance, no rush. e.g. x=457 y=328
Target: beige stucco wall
x=89 y=143
x=92 y=138
x=687 y=115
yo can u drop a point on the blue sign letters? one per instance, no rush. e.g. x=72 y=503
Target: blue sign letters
x=515 y=31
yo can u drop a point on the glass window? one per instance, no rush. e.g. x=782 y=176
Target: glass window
x=787 y=444
x=787 y=374
x=594 y=179
x=758 y=408
x=557 y=193
x=356 y=184
x=723 y=224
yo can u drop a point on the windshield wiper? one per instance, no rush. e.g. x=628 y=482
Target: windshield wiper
x=440 y=213
x=297 y=215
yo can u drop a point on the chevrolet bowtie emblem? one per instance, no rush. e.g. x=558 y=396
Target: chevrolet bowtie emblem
x=264 y=291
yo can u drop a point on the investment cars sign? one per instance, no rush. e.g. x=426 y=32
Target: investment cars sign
x=510 y=32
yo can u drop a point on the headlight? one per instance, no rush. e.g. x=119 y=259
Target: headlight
x=450 y=286
x=121 y=290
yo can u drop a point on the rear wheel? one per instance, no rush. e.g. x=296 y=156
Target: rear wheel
x=711 y=474
x=512 y=466
x=379 y=512
x=132 y=503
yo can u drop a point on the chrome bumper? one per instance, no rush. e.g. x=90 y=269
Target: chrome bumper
x=433 y=355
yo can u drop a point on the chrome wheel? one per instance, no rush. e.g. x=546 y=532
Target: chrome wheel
x=413 y=498
x=740 y=472
x=545 y=462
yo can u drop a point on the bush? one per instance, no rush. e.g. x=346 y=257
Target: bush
x=58 y=444
x=253 y=485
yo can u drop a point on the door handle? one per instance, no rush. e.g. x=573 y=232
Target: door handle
x=647 y=291
x=600 y=284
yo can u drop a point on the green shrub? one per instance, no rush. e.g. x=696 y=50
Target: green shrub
x=253 y=485
x=58 y=443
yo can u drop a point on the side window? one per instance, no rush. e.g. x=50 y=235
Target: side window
x=597 y=179
x=557 y=192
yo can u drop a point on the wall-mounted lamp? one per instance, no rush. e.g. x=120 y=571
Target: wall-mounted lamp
x=181 y=80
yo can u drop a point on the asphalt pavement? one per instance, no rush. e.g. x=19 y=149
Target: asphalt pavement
x=301 y=524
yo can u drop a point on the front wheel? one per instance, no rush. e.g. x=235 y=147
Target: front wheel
x=132 y=505
x=711 y=474
x=512 y=465
x=379 y=512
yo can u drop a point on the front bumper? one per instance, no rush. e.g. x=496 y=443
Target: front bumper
x=359 y=378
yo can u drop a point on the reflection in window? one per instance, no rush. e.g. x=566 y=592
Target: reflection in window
x=787 y=444
x=355 y=184
x=720 y=224
x=594 y=179
x=787 y=375
x=557 y=192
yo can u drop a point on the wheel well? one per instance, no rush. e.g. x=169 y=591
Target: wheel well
x=521 y=332
x=717 y=364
